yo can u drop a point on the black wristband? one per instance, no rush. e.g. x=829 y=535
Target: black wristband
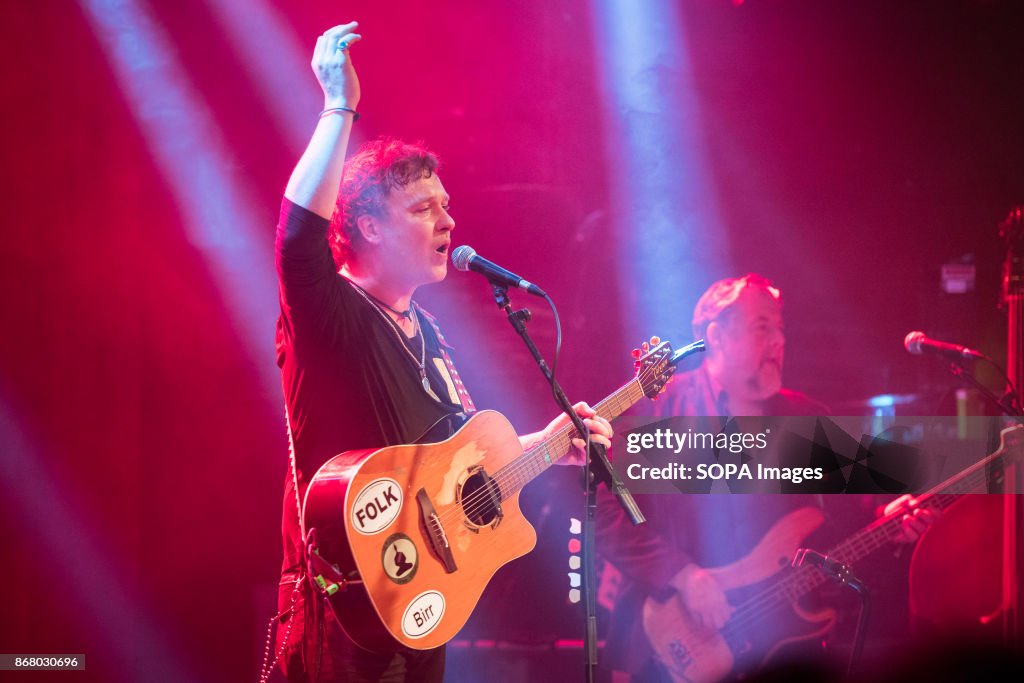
x=355 y=114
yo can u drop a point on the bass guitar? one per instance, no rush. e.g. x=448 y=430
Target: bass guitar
x=404 y=539
x=694 y=654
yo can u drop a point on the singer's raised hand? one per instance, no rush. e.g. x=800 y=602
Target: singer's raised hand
x=332 y=64
x=315 y=180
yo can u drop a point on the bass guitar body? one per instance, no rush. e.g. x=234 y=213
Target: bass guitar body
x=415 y=532
x=756 y=633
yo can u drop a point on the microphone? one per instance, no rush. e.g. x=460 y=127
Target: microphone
x=918 y=344
x=466 y=258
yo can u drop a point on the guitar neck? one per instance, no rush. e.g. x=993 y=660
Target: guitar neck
x=883 y=530
x=524 y=469
x=798 y=583
x=653 y=371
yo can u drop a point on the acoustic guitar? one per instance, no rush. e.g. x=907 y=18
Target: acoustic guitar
x=404 y=539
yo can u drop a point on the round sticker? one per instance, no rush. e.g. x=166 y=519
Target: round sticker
x=399 y=558
x=376 y=506
x=423 y=614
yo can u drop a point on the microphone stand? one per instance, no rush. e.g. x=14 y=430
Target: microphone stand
x=596 y=469
x=1013 y=482
x=1008 y=405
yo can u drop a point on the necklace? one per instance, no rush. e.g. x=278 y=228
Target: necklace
x=423 y=356
x=407 y=313
x=422 y=362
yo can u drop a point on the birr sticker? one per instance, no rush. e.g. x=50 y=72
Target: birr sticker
x=423 y=614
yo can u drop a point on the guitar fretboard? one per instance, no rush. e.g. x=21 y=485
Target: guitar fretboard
x=524 y=469
x=804 y=579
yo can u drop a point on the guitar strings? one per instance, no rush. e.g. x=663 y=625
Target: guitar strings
x=797 y=584
x=511 y=471
x=476 y=502
x=851 y=550
x=479 y=500
x=787 y=590
x=529 y=459
x=800 y=582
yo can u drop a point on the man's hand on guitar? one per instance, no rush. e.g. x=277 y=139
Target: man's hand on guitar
x=600 y=432
x=915 y=519
x=702 y=597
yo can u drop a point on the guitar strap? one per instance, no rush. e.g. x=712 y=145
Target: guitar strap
x=460 y=388
x=294 y=471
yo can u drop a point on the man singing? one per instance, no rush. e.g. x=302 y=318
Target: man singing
x=363 y=366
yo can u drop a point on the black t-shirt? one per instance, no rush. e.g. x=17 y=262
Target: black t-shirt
x=351 y=380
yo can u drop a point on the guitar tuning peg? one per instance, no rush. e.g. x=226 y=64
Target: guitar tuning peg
x=655 y=341
x=636 y=354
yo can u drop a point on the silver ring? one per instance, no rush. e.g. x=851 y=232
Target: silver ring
x=342 y=46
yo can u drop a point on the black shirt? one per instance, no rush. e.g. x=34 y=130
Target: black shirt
x=350 y=378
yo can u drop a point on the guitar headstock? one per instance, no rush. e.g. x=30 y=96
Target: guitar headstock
x=654 y=366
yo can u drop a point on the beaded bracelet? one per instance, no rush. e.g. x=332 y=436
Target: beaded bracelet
x=355 y=114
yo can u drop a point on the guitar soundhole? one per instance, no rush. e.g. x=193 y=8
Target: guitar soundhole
x=481 y=498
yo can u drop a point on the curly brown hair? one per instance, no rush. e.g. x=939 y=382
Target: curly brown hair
x=371 y=174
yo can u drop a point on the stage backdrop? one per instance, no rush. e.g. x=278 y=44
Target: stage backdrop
x=846 y=150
